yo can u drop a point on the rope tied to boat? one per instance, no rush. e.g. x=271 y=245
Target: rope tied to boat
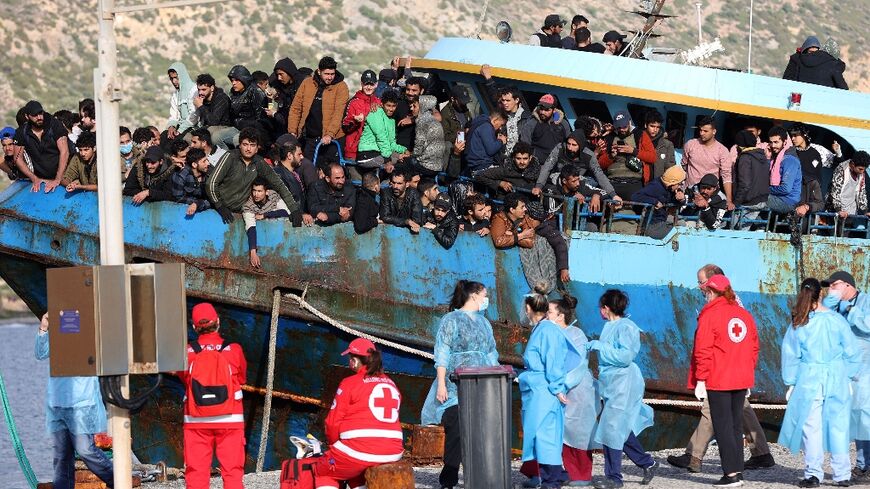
x=397 y=346
x=20 y=454
x=270 y=380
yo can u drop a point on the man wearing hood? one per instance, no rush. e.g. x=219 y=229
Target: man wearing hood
x=44 y=139
x=150 y=178
x=318 y=108
x=247 y=100
x=363 y=103
x=429 y=144
x=181 y=102
x=813 y=65
x=575 y=152
x=285 y=79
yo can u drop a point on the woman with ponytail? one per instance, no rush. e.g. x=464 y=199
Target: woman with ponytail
x=819 y=358
x=581 y=411
x=362 y=426
x=543 y=389
x=464 y=339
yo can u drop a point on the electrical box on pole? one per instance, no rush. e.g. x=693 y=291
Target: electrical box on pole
x=117 y=319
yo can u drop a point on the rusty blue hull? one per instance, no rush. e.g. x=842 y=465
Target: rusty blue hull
x=392 y=284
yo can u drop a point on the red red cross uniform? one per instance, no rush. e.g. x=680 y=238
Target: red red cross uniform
x=726 y=347
x=362 y=429
x=223 y=436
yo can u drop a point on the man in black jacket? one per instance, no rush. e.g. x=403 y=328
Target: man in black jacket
x=332 y=199
x=247 y=103
x=213 y=112
x=288 y=168
x=751 y=174
x=812 y=65
x=446 y=225
x=150 y=179
x=710 y=202
x=365 y=212
x=400 y=204
x=521 y=172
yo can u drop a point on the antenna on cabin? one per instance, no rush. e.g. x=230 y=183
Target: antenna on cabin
x=749 y=55
x=698 y=10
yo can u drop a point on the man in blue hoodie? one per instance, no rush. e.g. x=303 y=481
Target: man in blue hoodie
x=785 y=196
x=484 y=141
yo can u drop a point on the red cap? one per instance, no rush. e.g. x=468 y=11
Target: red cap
x=359 y=347
x=718 y=283
x=203 y=315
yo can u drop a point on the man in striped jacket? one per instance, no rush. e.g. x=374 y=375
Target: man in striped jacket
x=204 y=428
x=362 y=427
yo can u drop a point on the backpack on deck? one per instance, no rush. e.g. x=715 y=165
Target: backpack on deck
x=212 y=387
x=298 y=473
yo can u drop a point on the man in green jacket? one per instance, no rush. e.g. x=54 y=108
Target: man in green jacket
x=378 y=141
x=229 y=185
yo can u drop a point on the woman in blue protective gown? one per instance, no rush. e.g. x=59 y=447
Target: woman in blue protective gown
x=819 y=359
x=621 y=387
x=464 y=339
x=543 y=389
x=74 y=414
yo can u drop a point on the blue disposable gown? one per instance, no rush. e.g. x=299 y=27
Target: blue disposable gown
x=463 y=339
x=819 y=359
x=72 y=403
x=542 y=380
x=857 y=312
x=581 y=412
x=620 y=384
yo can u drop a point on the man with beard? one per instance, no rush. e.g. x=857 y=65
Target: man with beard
x=213 y=112
x=316 y=113
x=88 y=115
x=188 y=185
x=285 y=80
x=7 y=164
x=629 y=158
x=785 y=173
x=574 y=152
x=446 y=225
x=400 y=204
x=550 y=35
x=521 y=173
x=405 y=122
x=45 y=141
x=247 y=101
x=229 y=185
x=263 y=203
x=704 y=154
x=548 y=131
x=572 y=185
x=331 y=200
x=149 y=178
x=201 y=139
x=455 y=115
x=288 y=167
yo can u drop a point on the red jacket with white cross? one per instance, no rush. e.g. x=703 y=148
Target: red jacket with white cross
x=726 y=347
x=363 y=422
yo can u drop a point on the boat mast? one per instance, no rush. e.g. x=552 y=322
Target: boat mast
x=107 y=98
x=749 y=55
x=651 y=20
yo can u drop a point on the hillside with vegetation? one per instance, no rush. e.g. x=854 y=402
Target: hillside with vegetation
x=50 y=47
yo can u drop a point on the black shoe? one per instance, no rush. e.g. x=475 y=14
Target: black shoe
x=759 y=462
x=812 y=481
x=607 y=483
x=681 y=461
x=845 y=483
x=727 y=481
x=649 y=473
x=739 y=475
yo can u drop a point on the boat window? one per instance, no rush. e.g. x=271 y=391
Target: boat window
x=638 y=113
x=675 y=127
x=488 y=102
x=592 y=108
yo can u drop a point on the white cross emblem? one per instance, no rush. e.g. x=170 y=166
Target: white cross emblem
x=384 y=403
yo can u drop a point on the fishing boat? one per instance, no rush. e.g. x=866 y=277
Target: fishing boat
x=395 y=286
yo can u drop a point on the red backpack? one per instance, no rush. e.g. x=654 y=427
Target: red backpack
x=298 y=473
x=212 y=387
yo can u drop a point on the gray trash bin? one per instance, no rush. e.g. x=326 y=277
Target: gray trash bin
x=485 y=423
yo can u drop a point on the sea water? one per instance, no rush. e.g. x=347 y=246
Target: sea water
x=25 y=379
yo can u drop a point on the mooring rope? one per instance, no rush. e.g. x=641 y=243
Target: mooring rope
x=20 y=454
x=374 y=339
x=270 y=379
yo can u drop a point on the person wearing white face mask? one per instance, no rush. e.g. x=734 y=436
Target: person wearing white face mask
x=464 y=339
x=854 y=305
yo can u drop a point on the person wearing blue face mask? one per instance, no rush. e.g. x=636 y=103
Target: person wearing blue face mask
x=130 y=154
x=464 y=339
x=819 y=359
x=854 y=305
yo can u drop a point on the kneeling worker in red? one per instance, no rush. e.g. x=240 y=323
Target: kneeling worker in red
x=362 y=427
x=213 y=411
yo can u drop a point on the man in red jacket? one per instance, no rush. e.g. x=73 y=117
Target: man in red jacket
x=723 y=368
x=207 y=424
x=362 y=427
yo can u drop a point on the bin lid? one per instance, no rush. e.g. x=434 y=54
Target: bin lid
x=485 y=371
